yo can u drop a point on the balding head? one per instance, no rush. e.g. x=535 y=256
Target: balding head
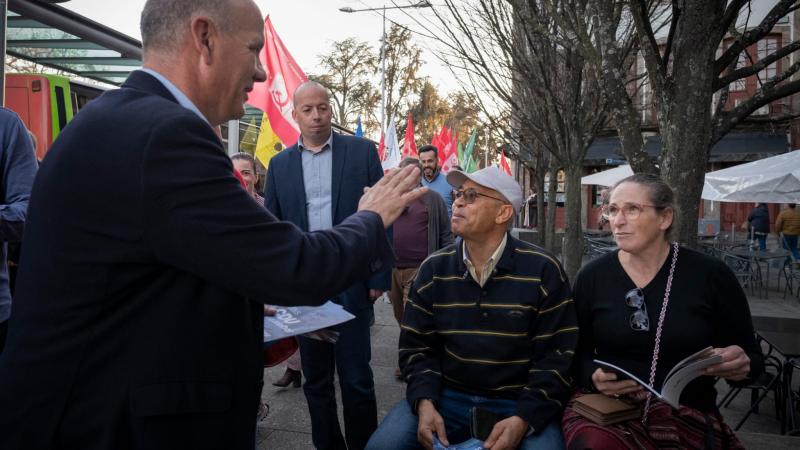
x=309 y=87
x=164 y=23
x=209 y=49
x=312 y=112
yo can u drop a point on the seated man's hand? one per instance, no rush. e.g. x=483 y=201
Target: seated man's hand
x=507 y=434
x=430 y=422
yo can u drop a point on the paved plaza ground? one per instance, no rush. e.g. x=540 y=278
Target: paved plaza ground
x=288 y=425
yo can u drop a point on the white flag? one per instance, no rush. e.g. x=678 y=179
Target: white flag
x=392 y=158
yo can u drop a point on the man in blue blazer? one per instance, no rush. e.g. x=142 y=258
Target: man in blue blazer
x=316 y=184
x=137 y=319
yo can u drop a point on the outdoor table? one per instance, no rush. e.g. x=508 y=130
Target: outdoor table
x=783 y=334
x=759 y=256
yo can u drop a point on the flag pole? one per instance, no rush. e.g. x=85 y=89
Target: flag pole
x=383 y=73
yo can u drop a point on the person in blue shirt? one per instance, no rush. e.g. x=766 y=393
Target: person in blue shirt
x=18 y=164
x=432 y=177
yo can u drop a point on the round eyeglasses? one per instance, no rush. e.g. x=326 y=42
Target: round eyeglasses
x=631 y=211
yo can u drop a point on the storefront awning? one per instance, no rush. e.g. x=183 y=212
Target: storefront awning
x=739 y=146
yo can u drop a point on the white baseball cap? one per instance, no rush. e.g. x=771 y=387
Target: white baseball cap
x=492 y=178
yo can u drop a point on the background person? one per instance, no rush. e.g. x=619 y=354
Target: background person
x=788 y=225
x=316 y=184
x=757 y=225
x=423 y=228
x=432 y=177
x=245 y=164
x=138 y=323
x=18 y=166
x=619 y=298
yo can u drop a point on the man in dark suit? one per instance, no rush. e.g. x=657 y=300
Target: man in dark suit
x=133 y=325
x=316 y=184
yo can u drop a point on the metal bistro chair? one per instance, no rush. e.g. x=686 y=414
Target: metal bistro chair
x=597 y=247
x=745 y=269
x=789 y=272
x=769 y=381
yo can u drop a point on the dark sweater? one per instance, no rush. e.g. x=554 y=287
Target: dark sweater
x=758 y=219
x=514 y=338
x=706 y=307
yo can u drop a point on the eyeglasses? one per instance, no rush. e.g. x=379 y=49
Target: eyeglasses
x=470 y=195
x=639 y=320
x=631 y=211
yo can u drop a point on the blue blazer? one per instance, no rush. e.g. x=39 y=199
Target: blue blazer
x=134 y=325
x=355 y=166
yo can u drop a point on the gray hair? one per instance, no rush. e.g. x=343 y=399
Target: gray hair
x=163 y=22
x=659 y=193
x=409 y=161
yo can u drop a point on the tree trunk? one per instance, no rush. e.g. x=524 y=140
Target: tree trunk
x=626 y=118
x=550 y=222
x=541 y=220
x=685 y=115
x=573 y=236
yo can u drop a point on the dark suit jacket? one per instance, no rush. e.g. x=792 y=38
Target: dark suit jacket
x=131 y=326
x=355 y=166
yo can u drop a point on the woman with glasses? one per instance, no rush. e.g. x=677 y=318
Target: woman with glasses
x=644 y=308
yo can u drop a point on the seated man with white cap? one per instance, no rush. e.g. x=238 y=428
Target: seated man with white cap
x=490 y=323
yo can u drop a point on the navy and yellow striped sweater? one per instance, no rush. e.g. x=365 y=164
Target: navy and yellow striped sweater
x=512 y=338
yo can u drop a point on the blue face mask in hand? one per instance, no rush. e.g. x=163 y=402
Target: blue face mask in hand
x=472 y=444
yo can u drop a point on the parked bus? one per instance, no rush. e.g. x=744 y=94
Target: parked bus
x=46 y=103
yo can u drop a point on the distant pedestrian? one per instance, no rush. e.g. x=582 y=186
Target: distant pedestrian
x=432 y=175
x=423 y=228
x=758 y=225
x=788 y=224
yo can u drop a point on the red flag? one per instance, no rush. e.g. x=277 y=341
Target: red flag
x=443 y=142
x=504 y=163
x=409 y=146
x=381 y=148
x=274 y=96
x=452 y=159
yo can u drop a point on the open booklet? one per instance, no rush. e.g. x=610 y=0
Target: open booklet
x=677 y=378
x=296 y=320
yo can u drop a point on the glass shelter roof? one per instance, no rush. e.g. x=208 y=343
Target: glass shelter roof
x=55 y=37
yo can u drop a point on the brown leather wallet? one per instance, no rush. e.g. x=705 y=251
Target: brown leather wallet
x=604 y=410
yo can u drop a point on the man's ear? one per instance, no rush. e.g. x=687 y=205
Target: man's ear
x=203 y=37
x=505 y=213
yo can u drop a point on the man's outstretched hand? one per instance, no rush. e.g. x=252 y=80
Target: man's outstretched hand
x=389 y=197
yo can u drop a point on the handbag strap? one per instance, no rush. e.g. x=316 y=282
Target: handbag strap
x=660 y=326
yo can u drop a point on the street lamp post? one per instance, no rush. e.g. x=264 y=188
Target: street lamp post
x=347 y=9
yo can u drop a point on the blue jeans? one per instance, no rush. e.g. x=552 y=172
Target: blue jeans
x=790 y=243
x=762 y=241
x=398 y=431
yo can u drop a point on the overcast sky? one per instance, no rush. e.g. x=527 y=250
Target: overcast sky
x=307 y=27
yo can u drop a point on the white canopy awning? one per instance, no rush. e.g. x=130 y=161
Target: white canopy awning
x=768 y=180
x=608 y=177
